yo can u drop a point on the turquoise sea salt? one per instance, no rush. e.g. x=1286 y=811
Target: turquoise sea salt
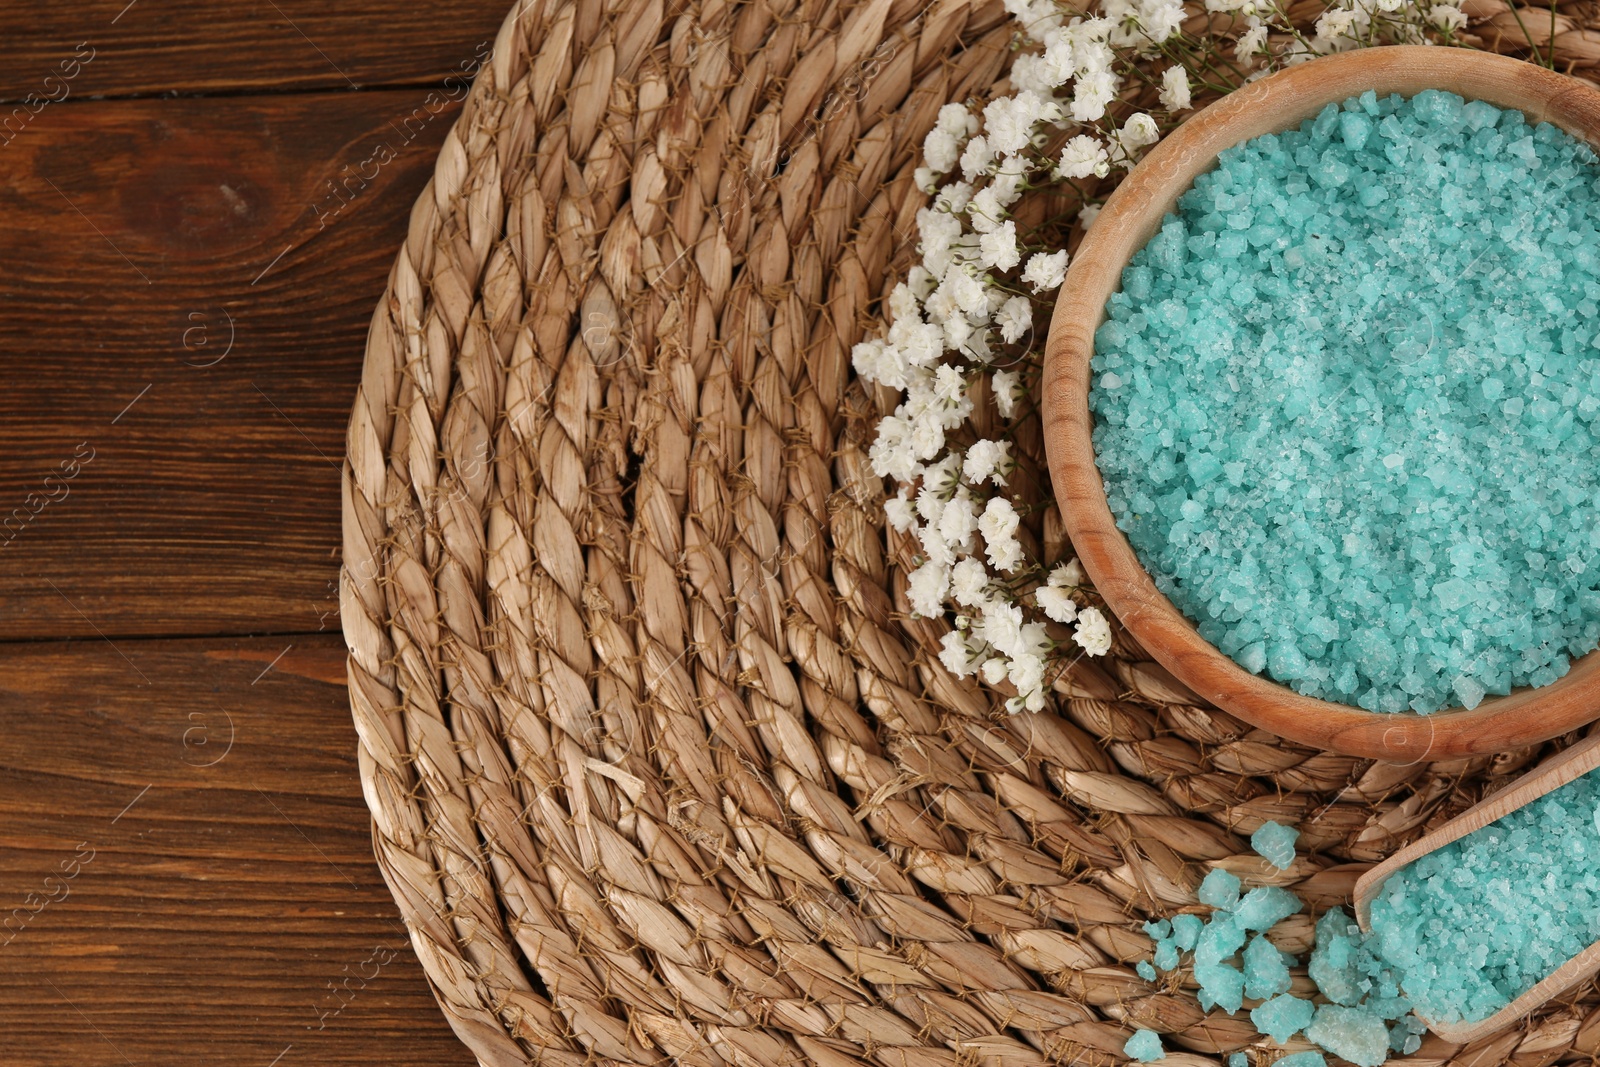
x=1145 y=1046
x=1346 y=403
x=1301 y=1059
x=1274 y=843
x=1476 y=923
x=1237 y=967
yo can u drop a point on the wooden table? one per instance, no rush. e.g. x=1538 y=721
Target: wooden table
x=199 y=212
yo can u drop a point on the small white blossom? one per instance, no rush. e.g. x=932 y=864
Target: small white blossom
x=985 y=211
x=1045 y=270
x=969 y=581
x=940 y=149
x=999 y=528
x=999 y=247
x=975 y=159
x=1000 y=626
x=1014 y=318
x=1008 y=180
x=1252 y=41
x=1068 y=575
x=1026 y=673
x=1082 y=156
x=1140 y=130
x=993 y=670
x=1091 y=93
x=1056 y=603
x=1175 y=89
x=899 y=511
x=1447 y=17
x=1006 y=389
x=903 y=305
x=1087 y=214
x=927 y=588
x=987 y=460
x=956 y=655
x=1093 y=633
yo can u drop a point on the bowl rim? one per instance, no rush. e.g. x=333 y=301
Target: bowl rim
x=1127 y=221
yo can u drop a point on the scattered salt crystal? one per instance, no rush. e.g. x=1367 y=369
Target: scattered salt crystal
x=1274 y=842
x=1144 y=1046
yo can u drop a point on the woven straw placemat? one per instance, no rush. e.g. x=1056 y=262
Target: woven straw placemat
x=660 y=767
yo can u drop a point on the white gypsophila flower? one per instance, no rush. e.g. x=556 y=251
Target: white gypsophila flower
x=1087 y=214
x=1056 y=603
x=1252 y=41
x=959 y=521
x=935 y=549
x=987 y=461
x=998 y=524
x=926 y=436
x=1014 y=318
x=926 y=179
x=903 y=305
x=1008 y=121
x=937 y=230
x=1092 y=92
x=1006 y=389
x=891 y=455
x=949 y=385
x=954 y=198
x=921 y=281
x=1068 y=575
x=1009 y=179
x=976 y=157
x=998 y=247
x=1337 y=30
x=930 y=503
x=993 y=670
x=985 y=211
x=957 y=120
x=1000 y=626
x=1082 y=156
x=927 y=588
x=1175 y=89
x=1447 y=17
x=920 y=343
x=1094 y=632
x=966 y=290
x=943 y=477
x=969 y=581
x=899 y=510
x=1045 y=270
x=940 y=150
x=956 y=655
x=1028 y=71
x=1026 y=673
x=1140 y=130
x=1037 y=18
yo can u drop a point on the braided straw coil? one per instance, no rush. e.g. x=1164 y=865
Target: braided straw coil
x=660 y=767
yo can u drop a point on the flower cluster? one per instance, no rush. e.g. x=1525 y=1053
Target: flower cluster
x=961 y=324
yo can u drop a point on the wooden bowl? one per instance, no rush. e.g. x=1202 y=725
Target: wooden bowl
x=1130 y=218
x=1557 y=771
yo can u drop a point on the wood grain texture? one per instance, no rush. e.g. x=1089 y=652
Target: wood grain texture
x=190 y=46
x=1552 y=774
x=179 y=485
x=223 y=905
x=1131 y=216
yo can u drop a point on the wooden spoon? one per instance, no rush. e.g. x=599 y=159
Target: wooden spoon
x=1552 y=774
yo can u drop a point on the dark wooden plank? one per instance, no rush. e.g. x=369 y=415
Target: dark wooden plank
x=188 y=819
x=59 y=52
x=156 y=480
